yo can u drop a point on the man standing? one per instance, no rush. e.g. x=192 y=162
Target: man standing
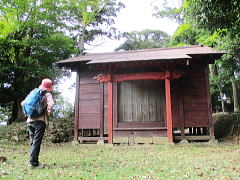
x=37 y=125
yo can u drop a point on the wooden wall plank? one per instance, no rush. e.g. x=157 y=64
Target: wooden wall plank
x=195 y=97
x=89 y=106
x=89 y=96
x=90 y=88
x=89 y=101
x=140 y=124
x=89 y=121
x=150 y=133
x=175 y=103
x=141 y=101
x=89 y=80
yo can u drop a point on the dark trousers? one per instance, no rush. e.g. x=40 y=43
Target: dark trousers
x=36 y=132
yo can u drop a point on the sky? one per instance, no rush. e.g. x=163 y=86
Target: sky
x=136 y=16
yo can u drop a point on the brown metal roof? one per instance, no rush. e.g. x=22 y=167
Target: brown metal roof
x=172 y=53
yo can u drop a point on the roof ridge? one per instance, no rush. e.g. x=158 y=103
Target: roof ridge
x=143 y=50
x=168 y=53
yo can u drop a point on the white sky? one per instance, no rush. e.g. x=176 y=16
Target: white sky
x=136 y=16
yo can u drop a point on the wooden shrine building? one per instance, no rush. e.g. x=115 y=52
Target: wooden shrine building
x=143 y=95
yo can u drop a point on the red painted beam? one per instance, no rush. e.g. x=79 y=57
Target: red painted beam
x=110 y=112
x=169 y=107
x=137 y=76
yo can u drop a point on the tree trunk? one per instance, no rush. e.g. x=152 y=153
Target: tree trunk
x=235 y=95
x=21 y=116
x=213 y=73
x=222 y=100
x=17 y=114
x=82 y=41
x=14 y=114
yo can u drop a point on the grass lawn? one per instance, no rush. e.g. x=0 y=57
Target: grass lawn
x=91 y=161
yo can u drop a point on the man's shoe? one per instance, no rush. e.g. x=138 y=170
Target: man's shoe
x=31 y=166
x=39 y=166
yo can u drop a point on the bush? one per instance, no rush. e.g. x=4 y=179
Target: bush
x=16 y=132
x=226 y=125
x=58 y=130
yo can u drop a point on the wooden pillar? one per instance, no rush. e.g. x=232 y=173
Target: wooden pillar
x=101 y=109
x=168 y=107
x=110 y=112
x=76 y=108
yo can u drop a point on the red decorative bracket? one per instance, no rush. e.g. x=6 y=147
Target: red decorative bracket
x=103 y=77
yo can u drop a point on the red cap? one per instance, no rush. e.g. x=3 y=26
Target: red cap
x=46 y=84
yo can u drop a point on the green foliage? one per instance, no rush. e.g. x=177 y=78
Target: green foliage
x=215 y=14
x=164 y=10
x=223 y=19
x=4 y=114
x=226 y=125
x=209 y=39
x=62 y=108
x=184 y=35
x=31 y=41
x=87 y=18
x=36 y=34
x=144 y=39
x=211 y=23
x=88 y=9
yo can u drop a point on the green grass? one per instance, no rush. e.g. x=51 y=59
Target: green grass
x=67 y=161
